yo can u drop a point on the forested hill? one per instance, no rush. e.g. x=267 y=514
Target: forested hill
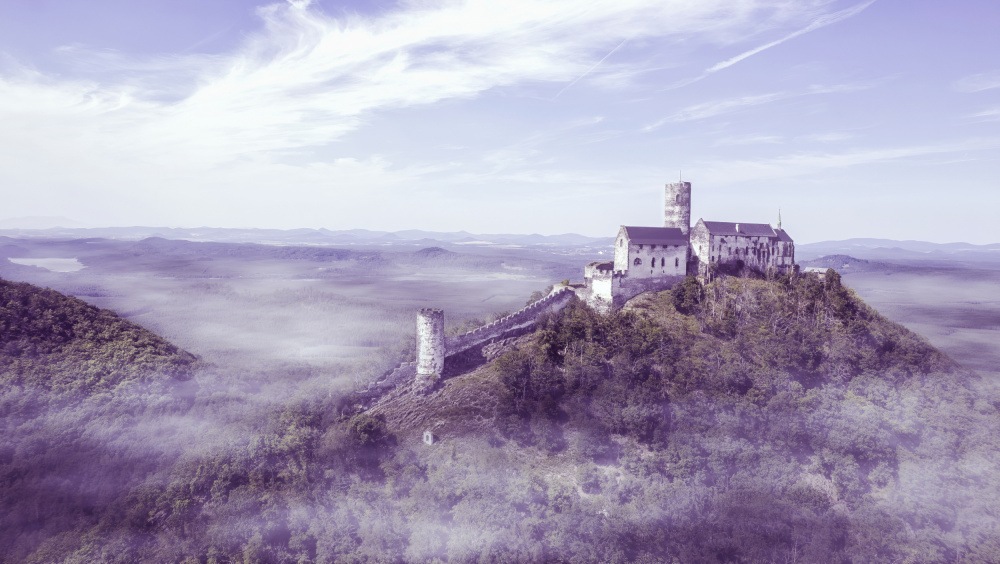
x=64 y=345
x=742 y=421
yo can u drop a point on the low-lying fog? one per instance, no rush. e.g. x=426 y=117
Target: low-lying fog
x=263 y=310
x=334 y=311
x=274 y=323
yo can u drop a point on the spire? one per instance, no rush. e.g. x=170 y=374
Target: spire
x=779 y=218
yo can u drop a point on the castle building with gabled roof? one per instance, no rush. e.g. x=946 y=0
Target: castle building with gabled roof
x=733 y=247
x=656 y=258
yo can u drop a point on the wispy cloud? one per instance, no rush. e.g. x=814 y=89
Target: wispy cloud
x=800 y=164
x=715 y=108
x=978 y=82
x=820 y=22
x=192 y=135
x=828 y=137
x=749 y=140
x=307 y=79
x=991 y=114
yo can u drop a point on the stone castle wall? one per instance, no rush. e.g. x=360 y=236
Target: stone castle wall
x=607 y=290
x=517 y=320
x=656 y=261
x=433 y=348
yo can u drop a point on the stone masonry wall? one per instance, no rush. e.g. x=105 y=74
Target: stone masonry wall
x=656 y=261
x=428 y=323
x=522 y=318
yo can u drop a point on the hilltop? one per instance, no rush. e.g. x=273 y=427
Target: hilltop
x=742 y=421
x=749 y=420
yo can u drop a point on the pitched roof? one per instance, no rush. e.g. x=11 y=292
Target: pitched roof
x=746 y=229
x=655 y=235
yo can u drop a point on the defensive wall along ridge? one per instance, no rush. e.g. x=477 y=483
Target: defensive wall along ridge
x=520 y=319
x=645 y=259
x=433 y=349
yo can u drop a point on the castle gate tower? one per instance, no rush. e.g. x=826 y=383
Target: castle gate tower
x=677 y=206
x=430 y=342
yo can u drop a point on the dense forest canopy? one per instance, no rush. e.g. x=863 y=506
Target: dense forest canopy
x=61 y=344
x=741 y=421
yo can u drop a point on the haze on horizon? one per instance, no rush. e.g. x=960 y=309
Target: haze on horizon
x=858 y=119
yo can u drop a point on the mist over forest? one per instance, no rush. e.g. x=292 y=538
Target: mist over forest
x=210 y=418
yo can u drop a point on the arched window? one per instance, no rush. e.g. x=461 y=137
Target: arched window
x=677 y=262
x=621 y=242
x=662 y=261
x=637 y=261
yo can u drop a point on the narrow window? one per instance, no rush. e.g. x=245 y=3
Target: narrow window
x=662 y=261
x=638 y=261
x=678 y=199
x=621 y=242
x=677 y=262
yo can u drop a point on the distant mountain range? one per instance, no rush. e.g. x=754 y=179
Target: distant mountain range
x=891 y=250
x=869 y=249
x=364 y=237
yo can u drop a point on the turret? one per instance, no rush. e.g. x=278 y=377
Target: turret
x=430 y=343
x=677 y=206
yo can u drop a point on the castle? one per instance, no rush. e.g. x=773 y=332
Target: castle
x=645 y=259
x=656 y=258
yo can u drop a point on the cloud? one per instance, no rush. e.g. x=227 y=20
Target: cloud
x=750 y=140
x=307 y=79
x=191 y=135
x=820 y=22
x=829 y=137
x=992 y=114
x=805 y=163
x=719 y=107
x=978 y=82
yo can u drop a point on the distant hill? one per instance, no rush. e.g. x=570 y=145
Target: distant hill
x=362 y=237
x=64 y=345
x=887 y=249
x=414 y=239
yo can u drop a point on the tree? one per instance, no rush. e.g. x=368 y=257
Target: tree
x=687 y=295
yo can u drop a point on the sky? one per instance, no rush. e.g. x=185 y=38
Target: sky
x=858 y=118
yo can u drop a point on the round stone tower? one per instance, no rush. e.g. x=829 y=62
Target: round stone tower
x=430 y=343
x=677 y=206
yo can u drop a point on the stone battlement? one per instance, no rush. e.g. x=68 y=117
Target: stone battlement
x=519 y=319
